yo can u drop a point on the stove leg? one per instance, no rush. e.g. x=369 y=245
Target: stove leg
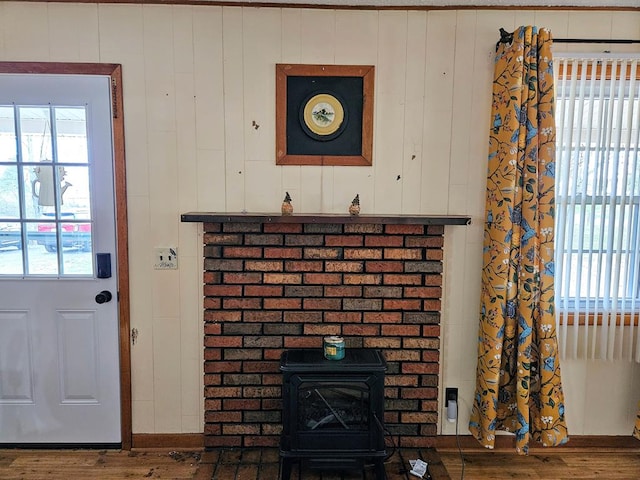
x=285 y=469
x=380 y=472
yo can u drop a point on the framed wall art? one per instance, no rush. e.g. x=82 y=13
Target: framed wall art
x=324 y=114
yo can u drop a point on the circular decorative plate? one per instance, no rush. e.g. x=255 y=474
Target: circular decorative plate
x=323 y=116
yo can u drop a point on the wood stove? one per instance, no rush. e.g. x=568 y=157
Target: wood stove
x=333 y=410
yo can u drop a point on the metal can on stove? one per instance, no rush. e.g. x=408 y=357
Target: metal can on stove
x=333 y=348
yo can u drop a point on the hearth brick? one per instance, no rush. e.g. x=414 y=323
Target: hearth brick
x=223 y=290
x=215 y=341
x=241 y=227
x=212 y=329
x=391 y=279
x=264 y=266
x=323 y=330
x=382 y=317
x=406 y=355
x=242 y=252
x=303 y=342
x=283 y=303
x=403 y=330
x=363 y=253
x=347 y=318
x=384 y=241
x=282 y=227
x=342 y=291
x=396 y=304
x=303 y=291
x=337 y=266
x=241 y=303
x=223 y=417
x=275 y=286
x=266 y=239
x=323 y=278
x=221 y=239
x=303 y=266
x=225 y=366
x=363 y=228
x=242 y=278
x=240 y=404
x=262 y=291
x=404 y=229
x=283 y=252
x=360 y=330
x=285 y=278
x=344 y=240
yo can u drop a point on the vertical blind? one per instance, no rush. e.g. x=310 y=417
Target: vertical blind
x=597 y=242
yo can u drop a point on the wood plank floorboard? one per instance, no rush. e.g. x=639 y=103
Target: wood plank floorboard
x=263 y=464
x=489 y=465
x=97 y=464
x=227 y=464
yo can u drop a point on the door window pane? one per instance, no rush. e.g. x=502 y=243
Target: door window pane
x=41 y=250
x=71 y=135
x=35 y=134
x=74 y=192
x=8 y=150
x=9 y=194
x=10 y=248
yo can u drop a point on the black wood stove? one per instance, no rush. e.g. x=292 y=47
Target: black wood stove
x=333 y=410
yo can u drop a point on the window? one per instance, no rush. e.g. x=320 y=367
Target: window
x=597 y=265
x=44 y=191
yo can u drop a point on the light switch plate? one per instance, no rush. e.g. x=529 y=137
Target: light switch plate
x=165 y=258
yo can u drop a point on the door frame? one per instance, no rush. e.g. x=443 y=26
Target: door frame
x=114 y=71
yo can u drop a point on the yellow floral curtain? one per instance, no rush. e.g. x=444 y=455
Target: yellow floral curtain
x=518 y=386
x=636 y=430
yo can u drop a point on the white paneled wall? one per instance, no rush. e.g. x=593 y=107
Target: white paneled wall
x=199 y=95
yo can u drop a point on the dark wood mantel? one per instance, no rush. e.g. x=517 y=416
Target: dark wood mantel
x=218 y=217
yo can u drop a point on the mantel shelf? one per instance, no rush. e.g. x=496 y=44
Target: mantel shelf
x=219 y=217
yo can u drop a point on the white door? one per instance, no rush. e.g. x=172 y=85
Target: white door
x=59 y=363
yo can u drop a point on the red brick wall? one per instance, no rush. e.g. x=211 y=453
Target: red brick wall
x=273 y=286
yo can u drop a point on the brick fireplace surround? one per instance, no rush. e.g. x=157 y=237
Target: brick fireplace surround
x=273 y=283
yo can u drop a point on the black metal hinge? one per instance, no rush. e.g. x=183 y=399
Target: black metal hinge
x=114 y=97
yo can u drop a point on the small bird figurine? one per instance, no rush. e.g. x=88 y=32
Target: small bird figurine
x=354 y=208
x=287 y=208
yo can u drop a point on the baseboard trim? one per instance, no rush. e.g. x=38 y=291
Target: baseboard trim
x=600 y=443
x=168 y=440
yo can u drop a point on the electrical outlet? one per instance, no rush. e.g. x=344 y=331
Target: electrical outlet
x=451 y=403
x=450 y=393
x=165 y=258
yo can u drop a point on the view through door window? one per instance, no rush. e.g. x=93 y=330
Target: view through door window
x=45 y=205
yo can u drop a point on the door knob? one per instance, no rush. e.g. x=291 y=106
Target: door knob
x=104 y=296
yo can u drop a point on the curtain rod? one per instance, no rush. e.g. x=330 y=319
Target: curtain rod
x=594 y=40
x=506 y=37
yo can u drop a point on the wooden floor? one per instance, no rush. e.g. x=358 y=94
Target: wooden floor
x=262 y=464
x=250 y=464
x=97 y=464
x=547 y=466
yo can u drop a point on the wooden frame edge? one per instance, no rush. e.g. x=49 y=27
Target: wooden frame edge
x=114 y=71
x=366 y=72
x=168 y=440
x=122 y=239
